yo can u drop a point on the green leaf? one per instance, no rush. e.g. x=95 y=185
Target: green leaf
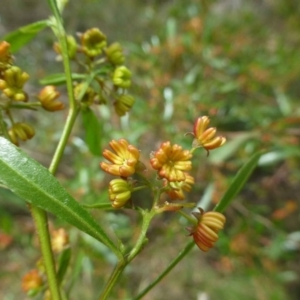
x=238 y=182
x=59 y=78
x=93 y=131
x=24 y=35
x=64 y=261
x=35 y=184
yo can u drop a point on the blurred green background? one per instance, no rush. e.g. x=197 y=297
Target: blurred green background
x=236 y=61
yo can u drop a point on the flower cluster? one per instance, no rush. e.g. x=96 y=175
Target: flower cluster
x=12 y=83
x=172 y=164
x=111 y=78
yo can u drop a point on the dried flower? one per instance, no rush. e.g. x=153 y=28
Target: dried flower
x=124 y=161
x=32 y=282
x=205 y=137
x=177 y=188
x=205 y=233
x=119 y=192
x=48 y=98
x=122 y=77
x=171 y=162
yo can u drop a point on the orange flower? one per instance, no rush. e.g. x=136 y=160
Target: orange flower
x=32 y=281
x=124 y=162
x=171 y=162
x=178 y=187
x=205 y=234
x=205 y=137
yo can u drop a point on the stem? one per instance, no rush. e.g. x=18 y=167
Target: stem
x=39 y=215
x=181 y=255
x=147 y=217
x=3 y=128
x=41 y=223
x=113 y=279
x=188 y=217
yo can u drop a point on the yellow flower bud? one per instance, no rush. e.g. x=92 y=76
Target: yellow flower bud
x=22 y=131
x=72 y=47
x=122 y=77
x=123 y=104
x=114 y=54
x=93 y=41
x=5 y=56
x=13 y=82
x=119 y=192
x=48 y=98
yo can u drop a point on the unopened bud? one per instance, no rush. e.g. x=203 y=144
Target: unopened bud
x=114 y=54
x=93 y=41
x=22 y=131
x=48 y=98
x=122 y=77
x=123 y=104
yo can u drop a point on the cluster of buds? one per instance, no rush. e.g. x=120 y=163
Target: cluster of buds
x=20 y=131
x=111 y=78
x=172 y=164
x=12 y=82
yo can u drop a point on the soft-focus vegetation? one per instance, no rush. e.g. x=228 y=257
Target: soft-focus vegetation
x=235 y=61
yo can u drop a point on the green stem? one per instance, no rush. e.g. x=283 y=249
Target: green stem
x=181 y=255
x=113 y=279
x=188 y=217
x=41 y=223
x=3 y=129
x=40 y=216
x=147 y=217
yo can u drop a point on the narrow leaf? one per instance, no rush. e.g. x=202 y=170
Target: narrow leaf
x=64 y=261
x=24 y=35
x=35 y=184
x=238 y=182
x=59 y=78
x=93 y=131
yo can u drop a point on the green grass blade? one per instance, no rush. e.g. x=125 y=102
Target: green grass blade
x=238 y=182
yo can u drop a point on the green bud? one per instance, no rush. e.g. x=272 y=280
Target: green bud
x=122 y=77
